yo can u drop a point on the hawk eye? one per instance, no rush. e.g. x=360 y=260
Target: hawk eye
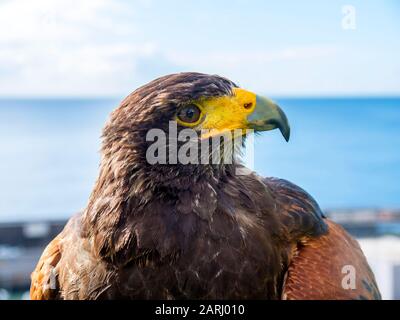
x=189 y=113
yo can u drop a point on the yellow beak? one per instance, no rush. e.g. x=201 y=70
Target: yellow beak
x=243 y=111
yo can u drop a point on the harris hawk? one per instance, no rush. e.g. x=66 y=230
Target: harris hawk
x=197 y=231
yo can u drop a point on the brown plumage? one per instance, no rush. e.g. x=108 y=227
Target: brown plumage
x=193 y=231
x=316 y=271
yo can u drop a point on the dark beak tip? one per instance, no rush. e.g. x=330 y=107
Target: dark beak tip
x=285 y=134
x=284 y=124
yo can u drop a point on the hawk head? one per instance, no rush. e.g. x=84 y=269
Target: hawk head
x=199 y=107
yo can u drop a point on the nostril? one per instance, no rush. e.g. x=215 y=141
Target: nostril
x=248 y=105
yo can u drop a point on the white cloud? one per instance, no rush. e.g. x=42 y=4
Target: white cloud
x=45 y=20
x=109 y=47
x=92 y=47
x=68 y=47
x=229 y=59
x=266 y=71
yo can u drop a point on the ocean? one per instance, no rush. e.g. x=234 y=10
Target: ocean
x=343 y=151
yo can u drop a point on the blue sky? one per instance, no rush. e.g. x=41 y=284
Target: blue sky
x=280 y=48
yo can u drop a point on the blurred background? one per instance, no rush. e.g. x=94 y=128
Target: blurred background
x=333 y=66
